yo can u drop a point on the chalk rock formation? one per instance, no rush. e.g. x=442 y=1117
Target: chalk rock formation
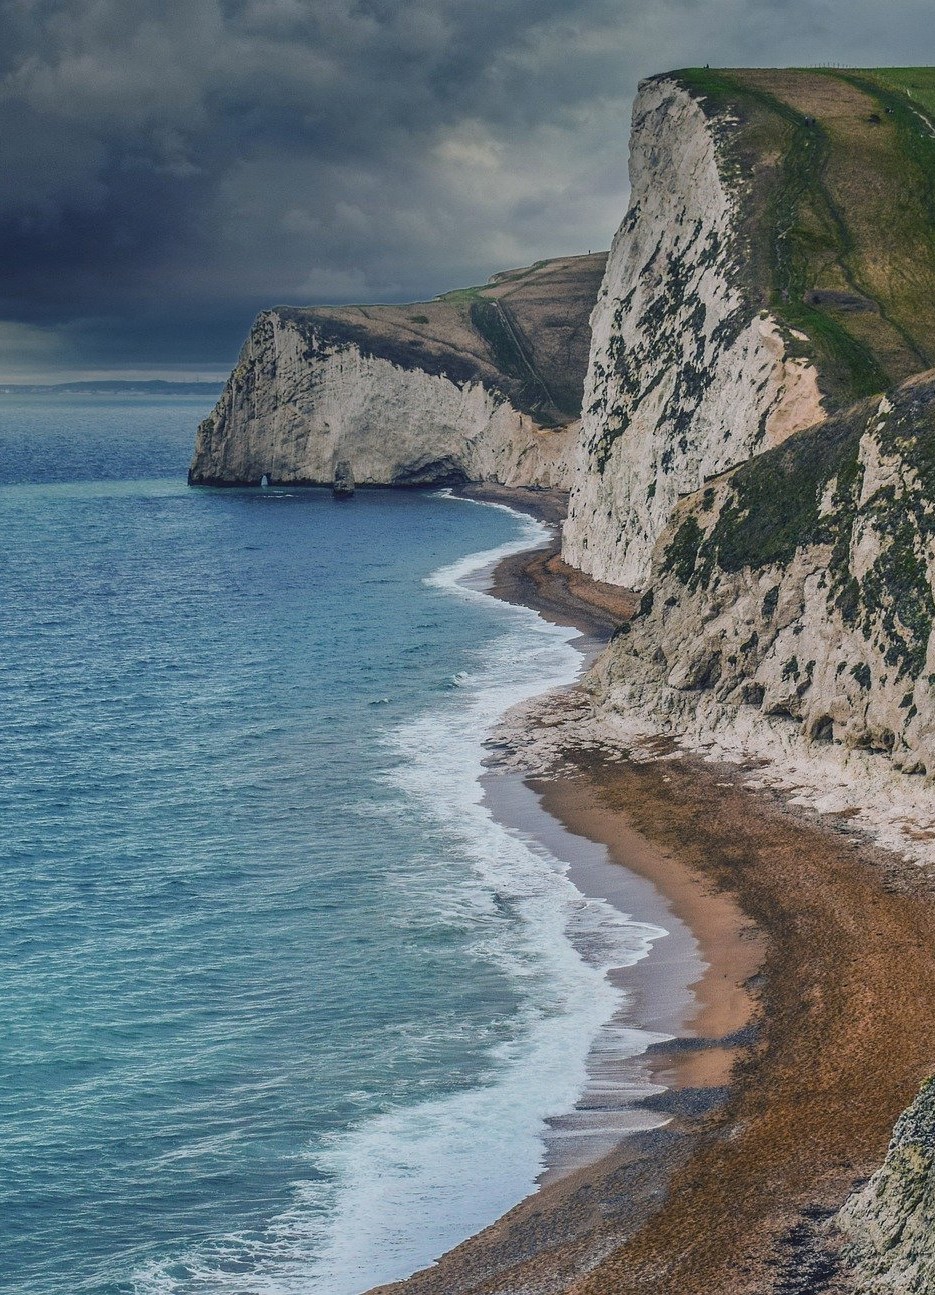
x=688 y=375
x=483 y=385
x=890 y=1223
x=797 y=591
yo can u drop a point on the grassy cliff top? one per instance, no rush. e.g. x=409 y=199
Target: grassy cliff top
x=525 y=333
x=838 y=171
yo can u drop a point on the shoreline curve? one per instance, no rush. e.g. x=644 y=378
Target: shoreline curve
x=734 y=1195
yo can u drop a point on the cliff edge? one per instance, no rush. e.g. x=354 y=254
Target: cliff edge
x=482 y=384
x=775 y=265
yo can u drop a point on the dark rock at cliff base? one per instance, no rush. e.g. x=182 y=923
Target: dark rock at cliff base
x=342 y=484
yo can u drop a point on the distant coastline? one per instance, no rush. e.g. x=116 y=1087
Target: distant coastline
x=150 y=387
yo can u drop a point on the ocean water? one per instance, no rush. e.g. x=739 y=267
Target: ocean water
x=284 y=1009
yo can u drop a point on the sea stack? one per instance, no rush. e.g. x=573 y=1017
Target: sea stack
x=342 y=484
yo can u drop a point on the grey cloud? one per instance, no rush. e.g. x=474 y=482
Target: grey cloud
x=172 y=166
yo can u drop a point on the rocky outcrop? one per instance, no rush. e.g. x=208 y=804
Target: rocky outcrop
x=342 y=483
x=890 y=1223
x=794 y=594
x=688 y=375
x=482 y=385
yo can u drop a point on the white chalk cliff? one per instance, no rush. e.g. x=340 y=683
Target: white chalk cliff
x=791 y=607
x=687 y=375
x=786 y=548
x=300 y=403
x=484 y=385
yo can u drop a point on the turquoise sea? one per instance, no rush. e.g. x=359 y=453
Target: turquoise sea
x=284 y=1010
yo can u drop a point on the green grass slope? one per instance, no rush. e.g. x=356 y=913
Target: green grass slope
x=525 y=333
x=838 y=171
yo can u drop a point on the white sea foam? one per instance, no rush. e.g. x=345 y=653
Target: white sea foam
x=406 y=1185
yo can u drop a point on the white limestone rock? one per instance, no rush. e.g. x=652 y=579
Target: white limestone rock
x=298 y=403
x=686 y=377
x=813 y=646
x=890 y=1223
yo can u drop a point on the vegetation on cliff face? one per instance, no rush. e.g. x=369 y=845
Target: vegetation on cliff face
x=774 y=505
x=674 y=314
x=836 y=176
x=814 y=491
x=513 y=358
x=838 y=169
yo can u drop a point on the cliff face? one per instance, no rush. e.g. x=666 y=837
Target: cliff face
x=777 y=268
x=484 y=384
x=890 y=1223
x=788 y=569
x=766 y=274
x=794 y=594
x=687 y=376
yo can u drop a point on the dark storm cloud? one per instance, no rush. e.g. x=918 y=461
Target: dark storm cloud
x=171 y=167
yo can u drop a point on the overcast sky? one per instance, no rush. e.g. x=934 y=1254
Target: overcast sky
x=170 y=167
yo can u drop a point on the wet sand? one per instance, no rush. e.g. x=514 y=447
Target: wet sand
x=731 y=1195
x=845 y=1034
x=659 y=1040
x=540 y=579
x=727 y=947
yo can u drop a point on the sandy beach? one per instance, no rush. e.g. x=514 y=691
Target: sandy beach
x=794 y=1054
x=690 y=991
